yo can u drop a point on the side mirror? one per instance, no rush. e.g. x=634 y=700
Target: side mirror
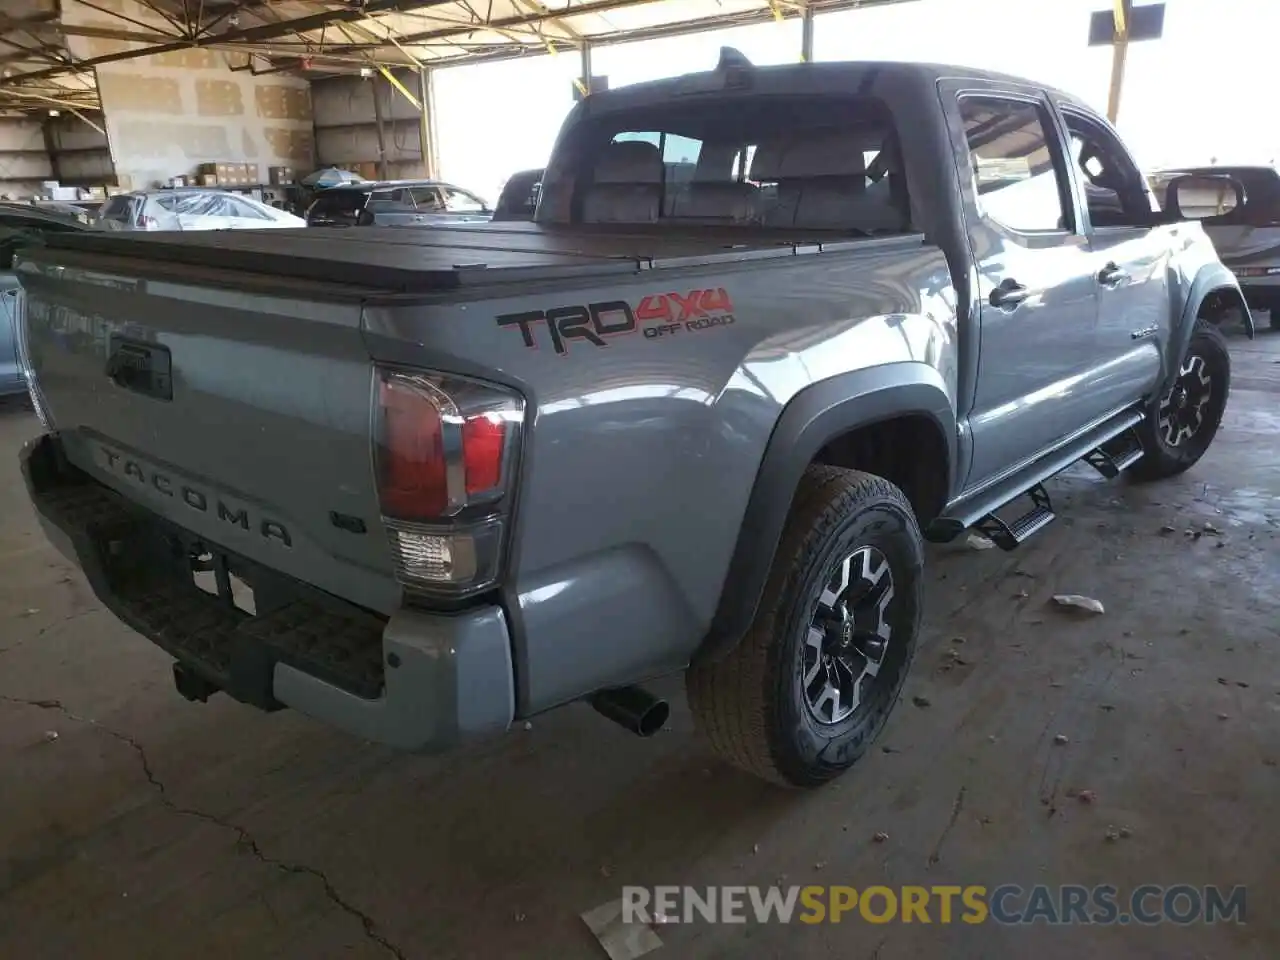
x=1201 y=197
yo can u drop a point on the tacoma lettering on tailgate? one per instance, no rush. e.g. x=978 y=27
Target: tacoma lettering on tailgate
x=237 y=516
x=657 y=315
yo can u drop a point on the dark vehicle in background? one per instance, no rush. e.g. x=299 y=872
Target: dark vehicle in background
x=519 y=199
x=396 y=203
x=1239 y=208
x=20 y=225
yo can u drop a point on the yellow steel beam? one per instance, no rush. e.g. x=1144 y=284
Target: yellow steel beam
x=1119 y=53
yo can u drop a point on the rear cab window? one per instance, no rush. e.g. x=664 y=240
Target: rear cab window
x=813 y=163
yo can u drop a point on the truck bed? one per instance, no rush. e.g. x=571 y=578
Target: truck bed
x=417 y=260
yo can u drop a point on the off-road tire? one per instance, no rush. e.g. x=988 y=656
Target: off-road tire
x=1160 y=460
x=750 y=704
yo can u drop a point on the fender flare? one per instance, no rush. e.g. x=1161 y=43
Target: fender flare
x=812 y=418
x=1209 y=279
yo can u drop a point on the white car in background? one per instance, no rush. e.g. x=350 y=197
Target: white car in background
x=193 y=209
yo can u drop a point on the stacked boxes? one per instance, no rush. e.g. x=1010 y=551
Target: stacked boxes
x=228 y=174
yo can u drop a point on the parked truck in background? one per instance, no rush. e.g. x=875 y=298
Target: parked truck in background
x=770 y=330
x=1239 y=208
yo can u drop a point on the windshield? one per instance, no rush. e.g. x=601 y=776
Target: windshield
x=816 y=163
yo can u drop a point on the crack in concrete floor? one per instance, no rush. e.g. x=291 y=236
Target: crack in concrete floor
x=244 y=839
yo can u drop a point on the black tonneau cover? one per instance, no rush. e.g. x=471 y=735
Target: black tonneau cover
x=441 y=258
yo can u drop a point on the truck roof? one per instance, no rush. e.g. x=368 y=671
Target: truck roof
x=860 y=76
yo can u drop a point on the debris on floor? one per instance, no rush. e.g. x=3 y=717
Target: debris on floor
x=621 y=941
x=920 y=701
x=1060 y=739
x=976 y=541
x=1078 y=602
x=880 y=836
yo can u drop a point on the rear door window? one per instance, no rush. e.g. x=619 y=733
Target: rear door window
x=339 y=206
x=459 y=201
x=246 y=211
x=1020 y=183
x=426 y=199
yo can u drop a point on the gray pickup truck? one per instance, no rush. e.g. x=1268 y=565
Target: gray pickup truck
x=770 y=330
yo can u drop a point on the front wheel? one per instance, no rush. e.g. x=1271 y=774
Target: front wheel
x=812 y=683
x=1188 y=415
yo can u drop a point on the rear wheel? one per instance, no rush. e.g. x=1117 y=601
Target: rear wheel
x=809 y=687
x=1188 y=415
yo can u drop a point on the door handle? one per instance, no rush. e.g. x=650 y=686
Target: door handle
x=1009 y=293
x=1112 y=276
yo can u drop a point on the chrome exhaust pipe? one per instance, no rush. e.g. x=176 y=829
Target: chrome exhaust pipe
x=633 y=708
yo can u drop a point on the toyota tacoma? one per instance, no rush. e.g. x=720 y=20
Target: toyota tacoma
x=770 y=330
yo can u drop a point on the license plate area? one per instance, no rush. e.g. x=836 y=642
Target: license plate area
x=212 y=571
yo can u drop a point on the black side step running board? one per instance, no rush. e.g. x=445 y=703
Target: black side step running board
x=1109 y=447
x=1007 y=536
x=1116 y=455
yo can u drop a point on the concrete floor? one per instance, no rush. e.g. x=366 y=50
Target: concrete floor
x=151 y=827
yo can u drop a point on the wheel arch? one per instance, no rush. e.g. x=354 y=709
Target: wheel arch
x=810 y=429
x=1212 y=295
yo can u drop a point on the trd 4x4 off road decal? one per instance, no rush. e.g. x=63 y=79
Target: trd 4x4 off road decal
x=657 y=315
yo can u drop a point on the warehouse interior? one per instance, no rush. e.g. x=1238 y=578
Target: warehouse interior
x=1034 y=743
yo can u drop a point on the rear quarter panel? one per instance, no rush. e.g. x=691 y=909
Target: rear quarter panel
x=641 y=452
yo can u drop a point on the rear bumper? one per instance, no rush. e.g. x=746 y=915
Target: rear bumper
x=416 y=681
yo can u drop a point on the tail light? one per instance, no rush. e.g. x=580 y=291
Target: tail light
x=445 y=454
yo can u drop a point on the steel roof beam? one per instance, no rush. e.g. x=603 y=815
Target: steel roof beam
x=255 y=34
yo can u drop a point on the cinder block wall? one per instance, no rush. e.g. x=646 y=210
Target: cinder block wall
x=167 y=114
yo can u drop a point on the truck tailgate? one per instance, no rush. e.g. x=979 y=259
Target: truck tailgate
x=243 y=418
